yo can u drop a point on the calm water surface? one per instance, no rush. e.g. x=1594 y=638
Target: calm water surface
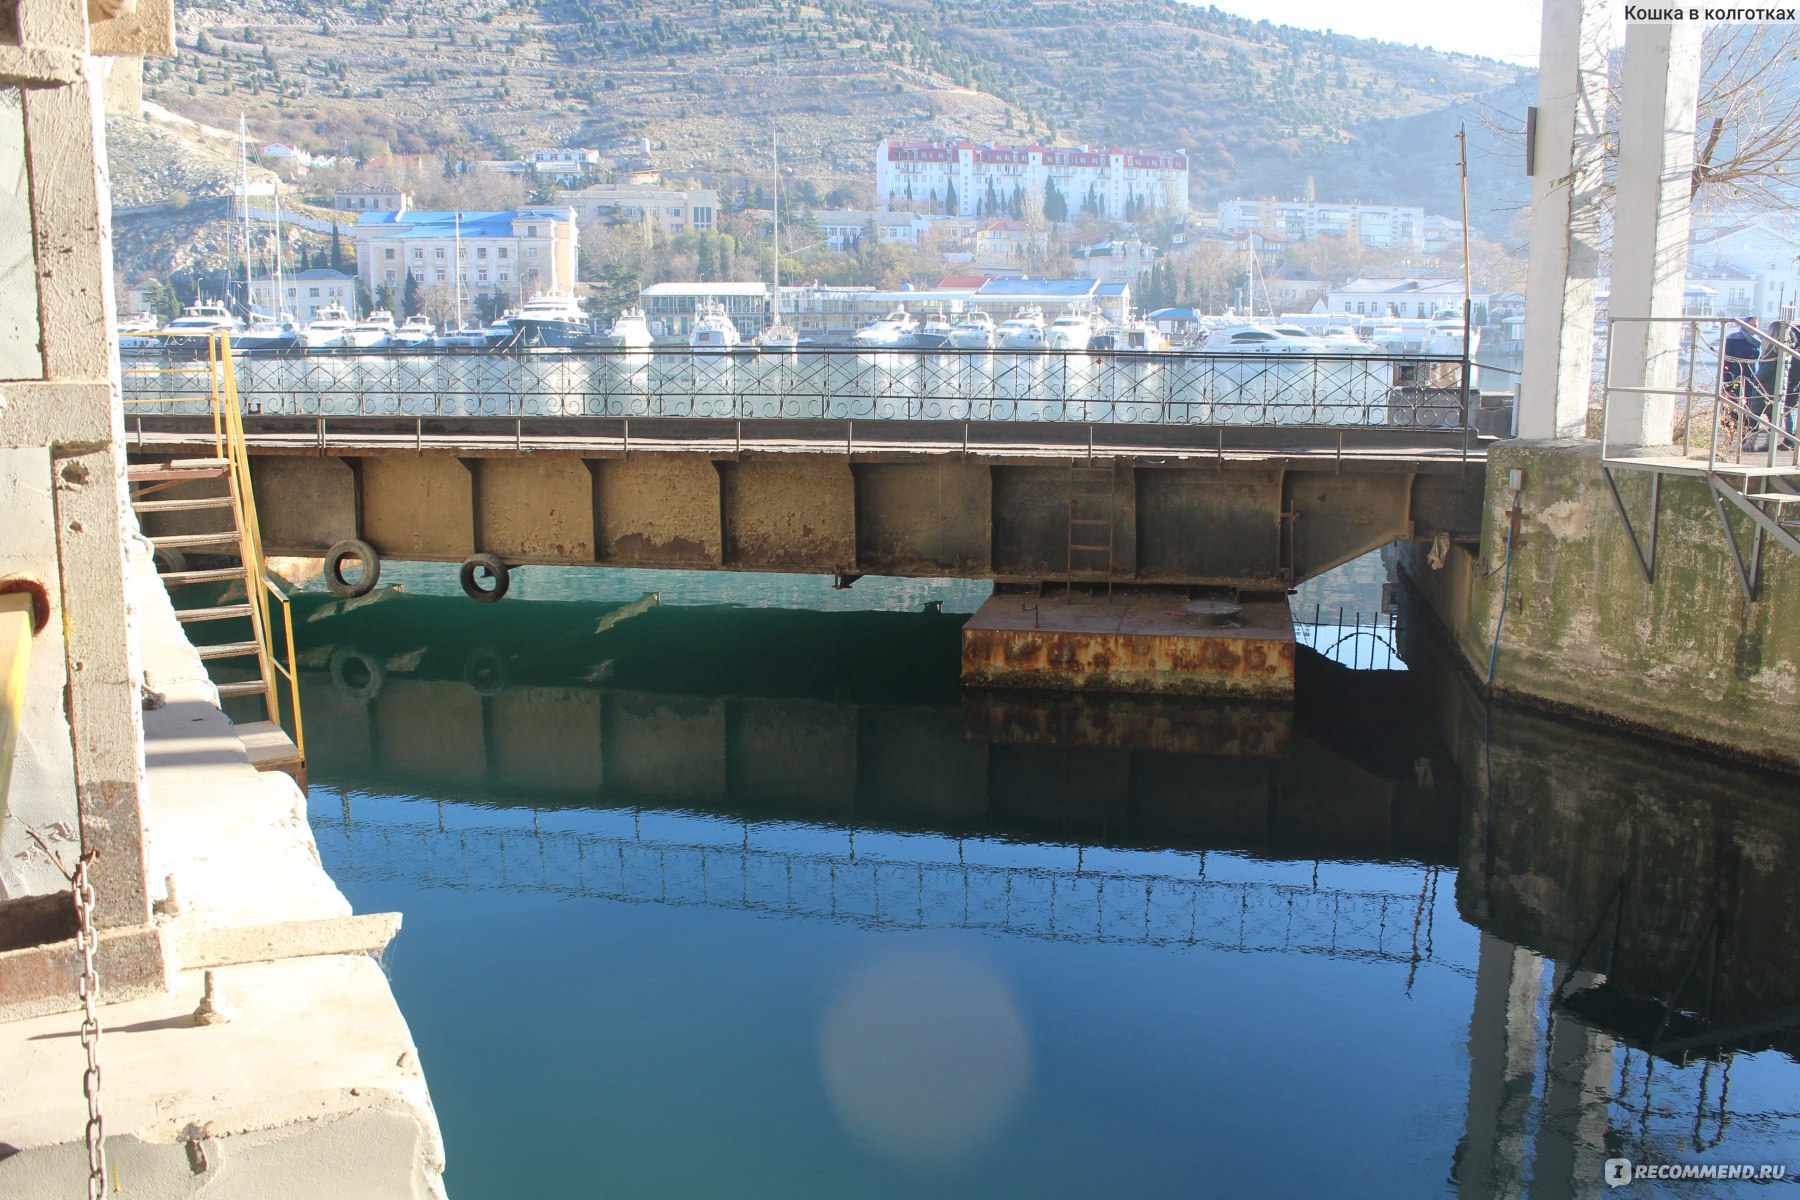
x=718 y=886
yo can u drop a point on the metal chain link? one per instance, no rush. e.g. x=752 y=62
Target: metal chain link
x=90 y=1029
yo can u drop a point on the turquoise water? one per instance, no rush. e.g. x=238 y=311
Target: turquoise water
x=710 y=896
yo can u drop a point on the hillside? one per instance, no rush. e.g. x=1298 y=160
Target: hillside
x=1260 y=107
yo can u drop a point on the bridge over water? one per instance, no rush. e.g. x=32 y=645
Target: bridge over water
x=1251 y=472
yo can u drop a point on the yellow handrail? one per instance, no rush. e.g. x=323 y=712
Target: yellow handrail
x=16 y=616
x=229 y=445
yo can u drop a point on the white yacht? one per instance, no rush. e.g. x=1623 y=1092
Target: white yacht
x=551 y=319
x=974 y=332
x=630 y=331
x=1073 y=330
x=416 y=330
x=270 y=335
x=1023 y=332
x=1140 y=337
x=198 y=322
x=894 y=330
x=467 y=336
x=328 y=328
x=377 y=329
x=1260 y=339
x=1446 y=337
x=779 y=338
x=712 y=330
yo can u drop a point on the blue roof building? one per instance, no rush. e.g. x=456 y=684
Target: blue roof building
x=512 y=254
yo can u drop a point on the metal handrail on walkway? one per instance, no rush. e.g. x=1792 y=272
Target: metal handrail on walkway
x=1707 y=376
x=220 y=396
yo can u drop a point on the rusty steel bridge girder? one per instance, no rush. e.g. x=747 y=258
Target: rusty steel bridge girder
x=1259 y=515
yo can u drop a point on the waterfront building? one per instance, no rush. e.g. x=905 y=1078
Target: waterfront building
x=673 y=211
x=513 y=253
x=1409 y=298
x=670 y=307
x=1381 y=225
x=992 y=180
x=306 y=293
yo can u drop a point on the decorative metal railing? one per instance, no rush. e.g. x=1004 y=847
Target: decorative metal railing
x=1114 y=388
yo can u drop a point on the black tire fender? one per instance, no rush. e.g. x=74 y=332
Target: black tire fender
x=338 y=555
x=497 y=571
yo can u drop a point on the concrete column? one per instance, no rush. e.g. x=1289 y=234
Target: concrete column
x=1650 y=223
x=1565 y=220
x=1502 y=1068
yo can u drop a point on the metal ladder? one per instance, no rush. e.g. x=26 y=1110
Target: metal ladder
x=1091 y=539
x=237 y=537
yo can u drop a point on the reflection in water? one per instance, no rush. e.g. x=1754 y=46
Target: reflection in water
x=841 y=929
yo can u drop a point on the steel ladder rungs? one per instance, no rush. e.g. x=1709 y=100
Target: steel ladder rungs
x=231 y=650
x=208 y=575
x=147 y=506
x=183 y=541
x=218 y=613
x=249 y=687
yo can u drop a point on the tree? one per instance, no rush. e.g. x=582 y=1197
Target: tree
x=410 y=297
x=705 y=268
x=950 y=201
x=384 y=297
x=337 y=249
x=1056 y=209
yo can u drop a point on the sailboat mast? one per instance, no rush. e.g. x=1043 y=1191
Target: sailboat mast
x=280 y=292
x=244 y=208
x=457 y=268
x=775 y=152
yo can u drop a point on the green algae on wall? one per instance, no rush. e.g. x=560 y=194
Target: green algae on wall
x=1688 y=656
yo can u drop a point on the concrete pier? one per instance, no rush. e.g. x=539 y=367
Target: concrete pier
x=1141 y=642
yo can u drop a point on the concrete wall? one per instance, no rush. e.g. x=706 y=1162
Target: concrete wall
x=1687 y=657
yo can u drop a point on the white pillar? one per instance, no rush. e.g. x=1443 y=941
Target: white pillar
x=1565 y=220
x=1650 y=223
x=1502 y=1065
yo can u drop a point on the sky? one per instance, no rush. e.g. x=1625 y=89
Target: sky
x=1502 y=29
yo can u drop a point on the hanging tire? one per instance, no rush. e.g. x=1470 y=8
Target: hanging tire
x=485 y=672
x=338 y=555
x=346 y=663
x=497 y=571
x=168 y=560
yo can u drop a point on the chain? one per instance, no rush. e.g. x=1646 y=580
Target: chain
x=90 y=1029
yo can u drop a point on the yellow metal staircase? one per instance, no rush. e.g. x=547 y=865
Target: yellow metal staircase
x=219 y=488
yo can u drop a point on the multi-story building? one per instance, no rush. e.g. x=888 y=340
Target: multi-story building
x=1302 y=220
x=1405 y=298
x=673 y=212
x=515 y=253
x=1001 y=181
x=670 y=307
x=305 y=293
x=1116 y=260
x=371 y=200
x=844 y=227
x=566 y=165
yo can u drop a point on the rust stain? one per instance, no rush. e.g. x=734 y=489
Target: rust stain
x=640 y=548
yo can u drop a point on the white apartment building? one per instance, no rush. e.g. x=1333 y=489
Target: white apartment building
x=371 y=200
x=306 y=293
x=517 y=253
x=844 y=227
x=671 y=211
x=1303 y=220
x=962 y=178
x=1763 y=246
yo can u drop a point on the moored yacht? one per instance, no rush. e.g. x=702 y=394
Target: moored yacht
x=630 y=331
x=374 y=330
x=549 y=319
x=328 y=328
x=1259 y=339
x=416 y=330
x=888 y=333
x=712 y=330
x=199 y=321
x=270 y=336
x=1072 y=330
x=974 y=332
x=1022 y=332
x=1140 y=337
x=933 y=333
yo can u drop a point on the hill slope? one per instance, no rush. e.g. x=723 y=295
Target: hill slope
x=1259 y=107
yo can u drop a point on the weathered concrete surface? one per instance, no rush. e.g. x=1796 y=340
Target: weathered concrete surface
x=314 y=1087
x=657 y=512
x=782 y=513
x=317 y=505
x=1137 y=643
x=534 y=510
x=416 y=507
x=914 y=516
x=1686 y=658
